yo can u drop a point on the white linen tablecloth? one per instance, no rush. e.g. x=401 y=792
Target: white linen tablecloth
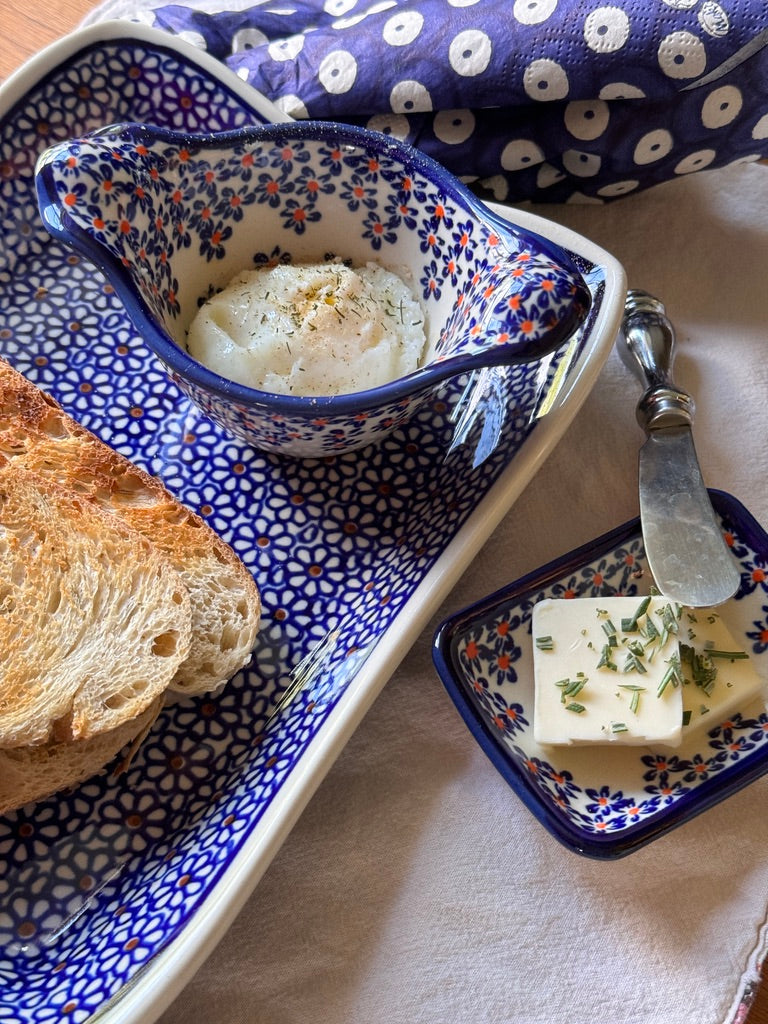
x=416 y=888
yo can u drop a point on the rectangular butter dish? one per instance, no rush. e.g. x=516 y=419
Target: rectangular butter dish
x=605 y=801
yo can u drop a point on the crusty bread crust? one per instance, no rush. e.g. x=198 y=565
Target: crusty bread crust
x=94 y=620
x=36 y=434
x=28 y=774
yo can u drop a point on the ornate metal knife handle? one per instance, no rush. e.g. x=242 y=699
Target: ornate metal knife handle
x=648 y=349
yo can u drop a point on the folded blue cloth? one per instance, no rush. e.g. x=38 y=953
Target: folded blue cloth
x=550 y=100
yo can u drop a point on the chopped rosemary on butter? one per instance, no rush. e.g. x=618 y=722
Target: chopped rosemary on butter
x=631 y=625
x=672 y=675
x=730 y=655
x=647 y=672
x=606 y=659
x=634 y=702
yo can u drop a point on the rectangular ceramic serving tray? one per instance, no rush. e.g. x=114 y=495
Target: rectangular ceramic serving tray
x=606 y=801
x=143 y=873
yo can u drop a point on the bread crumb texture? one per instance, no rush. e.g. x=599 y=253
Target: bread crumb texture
x=114 y=597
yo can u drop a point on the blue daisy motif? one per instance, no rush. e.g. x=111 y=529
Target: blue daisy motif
x=478 y=682
x=237 y=168
x=431 y=282
x=429 y=241
x=356 y=193
x=134 y=415
x=759 y=635
x=451 y=268
x=232 y=467
x=21 y=236
x=507 y=717
x=313 y=185
x=732 y=745
x=439 y=213
x=660 y=765
x=416 y=189
x=297 y=215
x=29 y=916
x=213 y=240
x=597 y=578
x=629 y=569
x=81 y=95
x=210 y=719
x=177 y=766
x=135 y=820
x=563 y=785
x=87 y=391
x=18 y=333
x=75 y=325
x=307 y=529
x=332 y=159
x=631 y=813
x=313 y=571
x=184 y=101
x=602 y=802
x=188 y=441
x=272 y=188
x=376 y=231
x=234 y=199
x=36 y=128
x=352 y=528
x=566 y=589
x=380 y=485
x=502 y=627
x=665 y=792
x=261 y=543
x=401 y=212
x=463 y=244
x=183 y=890
x=370 y=167
x=26 y=835
x=700 y=768
x=758 y=728
x=133 y=944
x=289 y=154
x=84 y=872
x=140 y=74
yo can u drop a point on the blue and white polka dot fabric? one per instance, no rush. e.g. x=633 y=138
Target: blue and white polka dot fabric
x=556 y=100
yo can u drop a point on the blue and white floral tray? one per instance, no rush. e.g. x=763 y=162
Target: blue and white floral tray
x=141 y=874
x=598 y=801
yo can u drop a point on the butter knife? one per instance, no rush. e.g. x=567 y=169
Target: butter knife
x=684 y=543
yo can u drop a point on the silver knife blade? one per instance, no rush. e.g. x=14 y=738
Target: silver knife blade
x=684 y=544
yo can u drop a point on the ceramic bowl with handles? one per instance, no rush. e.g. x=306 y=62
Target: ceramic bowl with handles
x=171 y=218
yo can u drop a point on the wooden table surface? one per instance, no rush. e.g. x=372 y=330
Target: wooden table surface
x=26 y=30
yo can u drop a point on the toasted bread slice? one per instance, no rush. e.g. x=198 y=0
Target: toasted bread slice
x=29 y=774
x=35 y=432
x=94 y=621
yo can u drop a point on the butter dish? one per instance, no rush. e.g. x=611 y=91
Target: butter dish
x=606 y=801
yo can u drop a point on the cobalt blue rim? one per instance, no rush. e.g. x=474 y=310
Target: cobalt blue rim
x=604 y=846
x=181 y=364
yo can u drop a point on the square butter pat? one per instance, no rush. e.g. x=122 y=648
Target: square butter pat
x=607 y=670
x=718 y=677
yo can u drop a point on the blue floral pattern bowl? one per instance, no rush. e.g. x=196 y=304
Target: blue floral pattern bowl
x=603 y=802
x=171 y=218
